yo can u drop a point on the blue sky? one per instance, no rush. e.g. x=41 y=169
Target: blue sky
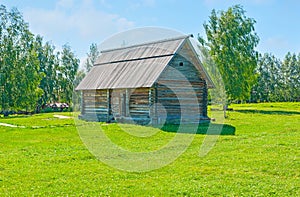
x=80 y=23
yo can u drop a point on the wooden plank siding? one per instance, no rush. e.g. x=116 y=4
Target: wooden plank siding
x=151 y=83
x=95 y=105
x=131 y=104
x=178 y=91
x=181 y=92
x=139 y=105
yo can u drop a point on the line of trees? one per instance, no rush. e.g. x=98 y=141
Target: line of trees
x=32 y=73
x=230 y=46
x=277 y=80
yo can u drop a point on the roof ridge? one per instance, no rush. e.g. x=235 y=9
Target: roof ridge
x=147 y=43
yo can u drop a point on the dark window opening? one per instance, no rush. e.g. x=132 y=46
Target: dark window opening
x=180 y=63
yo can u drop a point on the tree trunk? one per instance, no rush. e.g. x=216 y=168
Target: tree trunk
x=5 y=113
x=224 y=109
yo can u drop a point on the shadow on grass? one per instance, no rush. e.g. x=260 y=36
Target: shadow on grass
x=269 y=112
x=204 y=128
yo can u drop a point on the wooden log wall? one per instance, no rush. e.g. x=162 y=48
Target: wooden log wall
x=131 y=104
x=95 y=105
x=177 y=88
x=116 y=102
x=139 y=106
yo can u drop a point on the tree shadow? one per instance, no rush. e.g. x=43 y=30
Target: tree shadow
x=269 y=112
x=203 y=128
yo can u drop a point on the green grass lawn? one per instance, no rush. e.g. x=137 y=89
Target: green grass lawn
x=48 y=158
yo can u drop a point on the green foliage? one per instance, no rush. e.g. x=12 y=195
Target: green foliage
x=290 y=77
x=47 y=158
x=231 y=41
x=31 y=72
x=77 y=94
x=217 y=95
x=49 y=63
x=67 y=72
x=79 y=76
x=19 y=69
x=277 y=80
x=267 y=84
x=92 y=57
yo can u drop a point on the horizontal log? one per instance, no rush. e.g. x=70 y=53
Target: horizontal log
x=176 y=82
x=97 y=113
x=182 y=105
x=96 y=109
x=95 y=106
x=180 y=89
x=146 y=91
x=139 y=111
x=95 y=98
x=137 y=103
x=178 y=111
x=190 y=95
x=87 y=102
x=138 y=106
x=141 y=97
x=164 y=99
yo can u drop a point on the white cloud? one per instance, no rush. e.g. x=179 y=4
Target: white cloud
x=105 y=3
x=91 y=23
x=67 y=20
x=141 y=3
x=75 y=23
x=46 y=22
x=65 y=3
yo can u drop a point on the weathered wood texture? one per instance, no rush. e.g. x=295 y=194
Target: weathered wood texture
x=139 y=105
x=131 y=104
x=95 y=105
x=169 y=84
x=181 y=93
x=120 y=105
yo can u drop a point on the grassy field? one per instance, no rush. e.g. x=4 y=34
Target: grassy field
x=46 y=157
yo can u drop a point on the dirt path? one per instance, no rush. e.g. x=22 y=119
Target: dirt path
x=10 y=125
x=16 y=126
x=62 y=117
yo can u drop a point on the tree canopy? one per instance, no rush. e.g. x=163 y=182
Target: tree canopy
x=31 y=72
x=19 y=63
x=277 y=80
x=231 y=41
x=92 y=57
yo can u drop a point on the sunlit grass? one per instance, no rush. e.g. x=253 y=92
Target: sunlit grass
x=261 y=159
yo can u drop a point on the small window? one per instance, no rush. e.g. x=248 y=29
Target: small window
x=180 y=63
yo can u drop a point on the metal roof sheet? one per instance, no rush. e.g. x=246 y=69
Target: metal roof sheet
x=127 y=74
x=132 y=67
x=142 y=51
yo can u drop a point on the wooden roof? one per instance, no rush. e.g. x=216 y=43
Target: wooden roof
x=136 y=66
